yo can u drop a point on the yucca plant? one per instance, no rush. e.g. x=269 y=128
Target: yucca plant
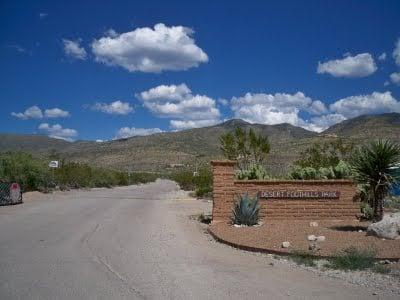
x=246 y=210
x=377 y=166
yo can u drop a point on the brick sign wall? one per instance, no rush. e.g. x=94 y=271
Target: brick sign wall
x=284 y=199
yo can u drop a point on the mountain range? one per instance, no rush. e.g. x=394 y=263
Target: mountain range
x=163 y=151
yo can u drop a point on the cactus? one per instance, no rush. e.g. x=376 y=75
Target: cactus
x=255 y=171
x=246 y=211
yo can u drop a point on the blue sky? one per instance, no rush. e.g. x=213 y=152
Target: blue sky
x=109 y=69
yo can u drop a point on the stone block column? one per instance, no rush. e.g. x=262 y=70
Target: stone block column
x=223 y=189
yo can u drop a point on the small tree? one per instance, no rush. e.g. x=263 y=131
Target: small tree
x=376 y=166
x=327 y=154
x=247 y=148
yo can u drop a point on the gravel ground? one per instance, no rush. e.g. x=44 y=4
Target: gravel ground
x=138 y=242
x=339 y=236
x=379 y=282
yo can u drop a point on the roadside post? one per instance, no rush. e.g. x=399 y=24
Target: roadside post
x=53 y=165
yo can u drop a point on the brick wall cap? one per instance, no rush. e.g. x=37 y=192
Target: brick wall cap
x=296 y=181
x=223 y=162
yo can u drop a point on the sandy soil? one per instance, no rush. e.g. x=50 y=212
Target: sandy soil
x=339 y=236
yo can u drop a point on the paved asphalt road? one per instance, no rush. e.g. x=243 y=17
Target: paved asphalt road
x=137 y=242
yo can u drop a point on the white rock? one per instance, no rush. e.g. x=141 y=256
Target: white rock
x=237 y=225
x=312 y=238
x=285 y=244
x=360 y=230
x=321 y=238
x=313 y=224
x=388 y=227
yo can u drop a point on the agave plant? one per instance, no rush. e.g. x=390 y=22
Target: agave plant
x=246 y=210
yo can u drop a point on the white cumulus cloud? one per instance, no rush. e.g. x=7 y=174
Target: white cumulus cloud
x=360 y=65
x=56 y=113
x=114 y=108
x=177 y=102
x=300 y=110
x=374 y=103
x=395 y=78
x=382 y=56
x=58 y=132
x=126 y=132
x=275 y=108
x=74 y=49
x=32 y=112
x=150 y=50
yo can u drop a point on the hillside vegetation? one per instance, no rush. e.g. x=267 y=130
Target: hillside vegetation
x=195 y=147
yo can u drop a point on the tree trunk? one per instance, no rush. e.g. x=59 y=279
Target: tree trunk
x=378 y=204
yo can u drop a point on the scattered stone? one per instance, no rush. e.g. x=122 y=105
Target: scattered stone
x=313 y=224
x=321 y=238
x=314 y=247
x=271 y=264
x=312 y=238
x=285 y=244
x=388 y=228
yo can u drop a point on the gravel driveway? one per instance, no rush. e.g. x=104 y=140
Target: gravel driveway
x=138 y=242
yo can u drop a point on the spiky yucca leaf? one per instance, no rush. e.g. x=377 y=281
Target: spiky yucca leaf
x=246 y=210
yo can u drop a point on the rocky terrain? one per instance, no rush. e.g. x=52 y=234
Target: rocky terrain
x=195 y=146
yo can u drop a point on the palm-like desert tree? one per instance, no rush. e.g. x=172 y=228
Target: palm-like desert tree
x=376 y=166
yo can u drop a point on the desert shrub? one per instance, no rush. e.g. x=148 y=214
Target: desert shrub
x=326 y=173
x=33 y=173
x=184 y=178
x=246 y=147
x=29 y=172
x=200 y=182
x=303 y=258
x=325 y=154
x=255 y=171
x=203 y=182
x=353 y=259
x=138 y=177
x=246 y=210
x=303 y=173
x=340 y=171
x=392 y=202
x=367 y=211
x=381 y=269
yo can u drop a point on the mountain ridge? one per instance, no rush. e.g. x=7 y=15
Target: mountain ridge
x=193 y=146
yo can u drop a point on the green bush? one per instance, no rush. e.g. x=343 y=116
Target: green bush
x=30 y=173
x=254 y=172
x=340 y=171
x=203 y=182
x=34 y=174
x=184 y=178
x=353 y=259
x=367 y=211
x=200 y=182
x=246 y=211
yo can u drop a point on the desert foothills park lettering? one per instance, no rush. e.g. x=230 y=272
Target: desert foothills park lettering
x=282 y=194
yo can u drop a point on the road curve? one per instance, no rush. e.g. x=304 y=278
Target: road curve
x=137 y=242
